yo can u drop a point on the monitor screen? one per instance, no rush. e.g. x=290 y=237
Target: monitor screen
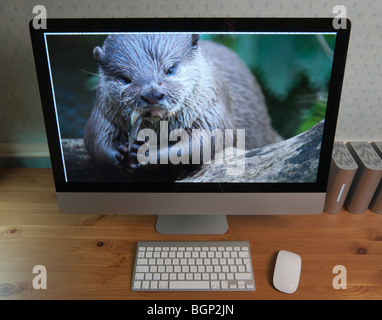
x=232 y=106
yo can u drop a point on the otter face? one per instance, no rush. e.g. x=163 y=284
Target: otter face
x=149 y=74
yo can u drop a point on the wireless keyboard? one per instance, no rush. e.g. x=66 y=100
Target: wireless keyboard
x=193 y=266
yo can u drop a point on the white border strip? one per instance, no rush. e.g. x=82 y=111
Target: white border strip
x=55 y=107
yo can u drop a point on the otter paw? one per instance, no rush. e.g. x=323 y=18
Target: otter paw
x=133 y=158
x=126 y=159
x=121 y=157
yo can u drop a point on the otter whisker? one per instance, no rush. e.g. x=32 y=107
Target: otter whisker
x=88 y=72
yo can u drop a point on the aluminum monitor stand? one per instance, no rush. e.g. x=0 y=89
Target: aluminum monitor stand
x=191 y=224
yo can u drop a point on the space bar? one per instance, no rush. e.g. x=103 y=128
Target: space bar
x=189 y=285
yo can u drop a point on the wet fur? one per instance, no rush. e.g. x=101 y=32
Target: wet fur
x=210 y=88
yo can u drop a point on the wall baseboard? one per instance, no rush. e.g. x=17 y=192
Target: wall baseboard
x=24 y=150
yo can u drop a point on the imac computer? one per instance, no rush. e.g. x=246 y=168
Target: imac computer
x=191 y=119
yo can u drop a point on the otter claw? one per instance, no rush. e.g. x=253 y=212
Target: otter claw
x=134 y=117
x=123 y=149
x=119 y=157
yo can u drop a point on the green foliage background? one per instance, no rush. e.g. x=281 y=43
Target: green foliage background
x=293 y=71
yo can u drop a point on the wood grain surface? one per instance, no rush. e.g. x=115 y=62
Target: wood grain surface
x=92 y=256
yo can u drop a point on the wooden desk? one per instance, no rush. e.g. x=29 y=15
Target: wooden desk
x=92 y=256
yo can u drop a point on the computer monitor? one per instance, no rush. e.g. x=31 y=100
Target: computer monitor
x=191 y=119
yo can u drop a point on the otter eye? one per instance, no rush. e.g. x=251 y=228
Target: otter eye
x=124 y=80
x=170 y=71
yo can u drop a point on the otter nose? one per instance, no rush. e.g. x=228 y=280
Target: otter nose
x=153 y=97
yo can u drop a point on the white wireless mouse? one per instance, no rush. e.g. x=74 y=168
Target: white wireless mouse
x=286 y=275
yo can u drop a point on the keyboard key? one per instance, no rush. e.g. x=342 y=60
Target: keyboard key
x=153 y=269
x=154 y=285
x=164 y=276
x=244 y=254
x=137 y=284
x=181 y=276
x=139 y=276
x=163 y=285
x=173 y=276
x=142 y=269
x=243 y=276
x=189 y=285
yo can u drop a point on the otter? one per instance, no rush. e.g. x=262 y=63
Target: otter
x=192 y=84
